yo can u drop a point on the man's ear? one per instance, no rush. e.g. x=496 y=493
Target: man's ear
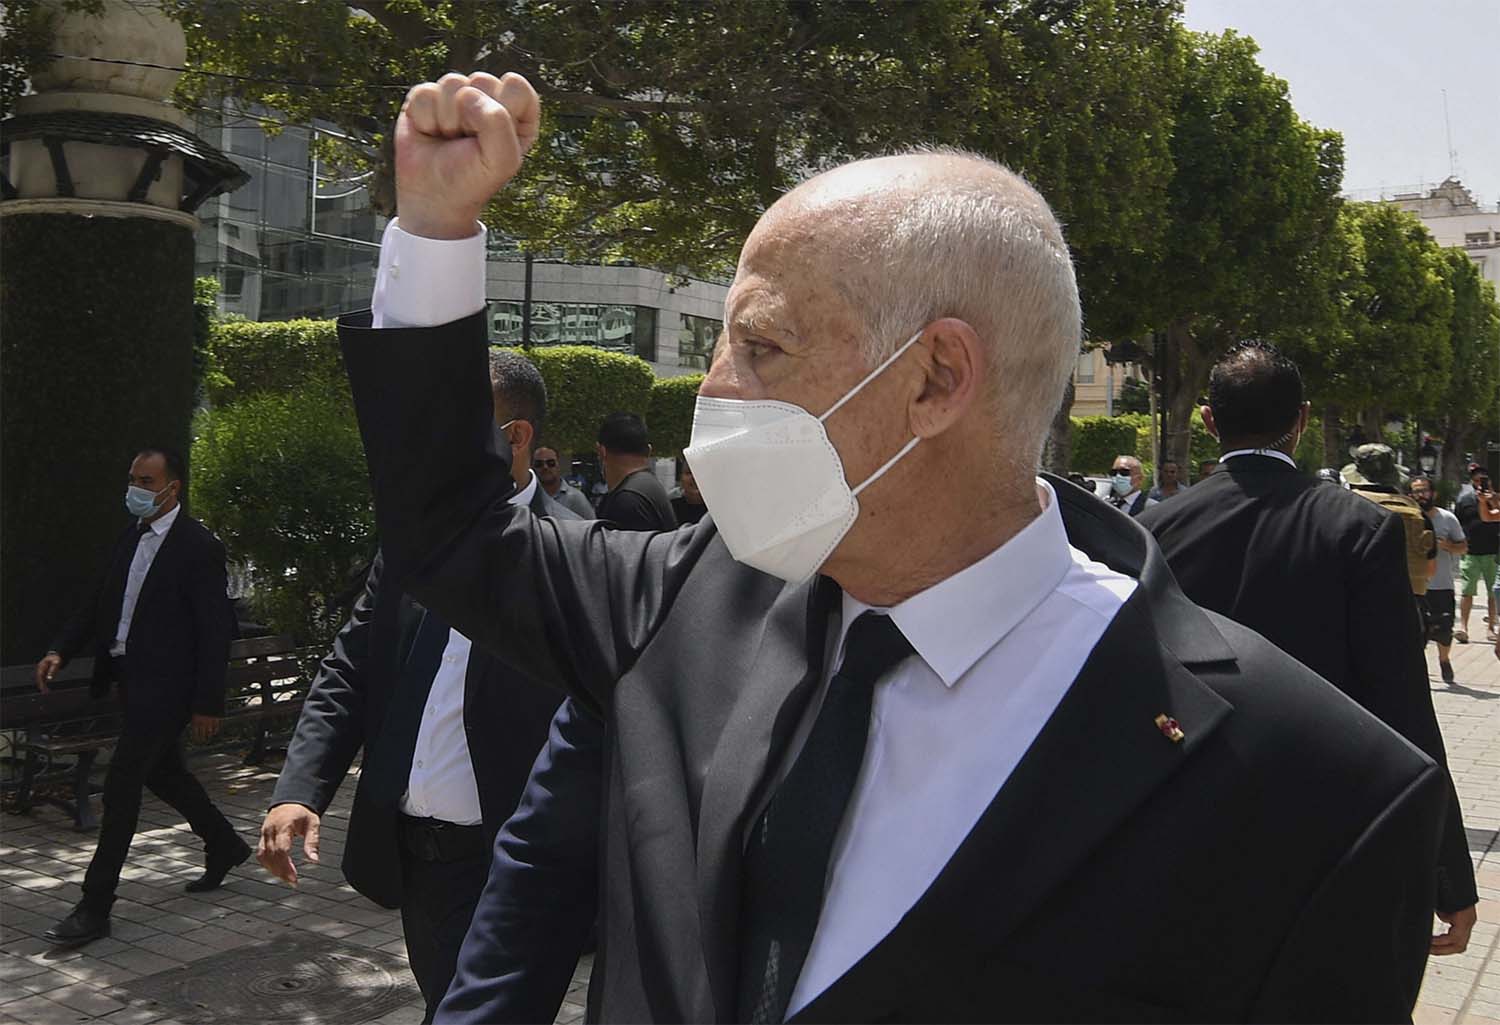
x=955 y=370
x=1207 y=413
x=522 y=434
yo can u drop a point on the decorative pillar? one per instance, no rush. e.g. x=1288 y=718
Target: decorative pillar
x=101 y=178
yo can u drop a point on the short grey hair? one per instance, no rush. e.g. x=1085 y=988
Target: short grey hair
x=984 y=247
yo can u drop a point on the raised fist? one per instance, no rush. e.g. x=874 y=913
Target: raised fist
x=458 y=141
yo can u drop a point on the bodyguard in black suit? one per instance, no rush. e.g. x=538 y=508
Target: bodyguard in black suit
x=1195 y=827
x=158 y=625
x=1318 y=570
x=375 y=691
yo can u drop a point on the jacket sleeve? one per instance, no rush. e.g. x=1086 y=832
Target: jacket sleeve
x=568 y=603
x=541 y=899
x=1351 y=958
x=331 y=728
x=1386 y=654
x=213 y=626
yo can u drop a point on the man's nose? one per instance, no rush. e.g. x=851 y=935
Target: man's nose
x=722 y=380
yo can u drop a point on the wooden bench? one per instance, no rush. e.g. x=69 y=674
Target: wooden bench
x=58 y=735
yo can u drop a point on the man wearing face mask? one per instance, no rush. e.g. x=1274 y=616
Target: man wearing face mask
x=158 y=626
x=876 y=736
x=449 y=735
x=1320 y=571
x=1125 y=478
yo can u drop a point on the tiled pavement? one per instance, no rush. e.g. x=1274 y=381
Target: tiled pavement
x=158 y=928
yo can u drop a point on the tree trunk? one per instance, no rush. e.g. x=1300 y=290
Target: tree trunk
x=1372 y=422
x=1333 y=437
x=1057 y=452
x=1191 y=365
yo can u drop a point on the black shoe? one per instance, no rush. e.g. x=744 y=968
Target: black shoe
x=82 y=926
x=219 y=865
x=1446 y=668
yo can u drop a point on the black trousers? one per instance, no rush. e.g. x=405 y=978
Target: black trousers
x=441 y=883
x=148 y=755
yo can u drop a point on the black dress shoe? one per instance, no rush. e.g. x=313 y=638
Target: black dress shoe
x=82 y=926
x=219 y=865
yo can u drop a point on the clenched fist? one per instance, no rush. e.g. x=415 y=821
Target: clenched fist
x=458 y=141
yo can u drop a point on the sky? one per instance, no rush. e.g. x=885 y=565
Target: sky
x=1375 y=70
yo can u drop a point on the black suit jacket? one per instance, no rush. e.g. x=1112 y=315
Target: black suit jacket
x=1321 y=572
x=1275 y=864
x=180 y=632
x=369 y=693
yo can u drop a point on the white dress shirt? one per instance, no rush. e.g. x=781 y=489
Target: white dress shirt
x=441 y=784
x=998 y=645
x=1274 y=453
x=140 y=565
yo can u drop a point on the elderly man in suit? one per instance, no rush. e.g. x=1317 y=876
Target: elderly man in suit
x=910 y=749
x=158 y=625
x=448 y=732
x=1320 y=571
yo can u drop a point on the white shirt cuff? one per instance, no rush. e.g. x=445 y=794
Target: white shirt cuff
x=424 y=282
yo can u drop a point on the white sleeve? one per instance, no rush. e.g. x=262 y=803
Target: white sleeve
x=424 y=282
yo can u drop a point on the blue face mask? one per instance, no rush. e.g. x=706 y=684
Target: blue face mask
x=142 y=503
x=1121 y=485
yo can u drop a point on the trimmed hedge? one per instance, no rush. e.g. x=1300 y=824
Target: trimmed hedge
x=584 y=385
x=96 y=347
x=281 y=479
x=255 y=357
x=670 y=420
x=1098 y=439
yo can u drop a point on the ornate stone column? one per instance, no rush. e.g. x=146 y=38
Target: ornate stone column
x=101 y=178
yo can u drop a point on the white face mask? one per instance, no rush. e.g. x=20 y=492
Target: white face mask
x=774 y=483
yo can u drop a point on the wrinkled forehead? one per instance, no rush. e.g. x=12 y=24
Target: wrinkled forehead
x=788 y=279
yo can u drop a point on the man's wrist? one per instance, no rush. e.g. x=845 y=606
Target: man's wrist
x=438 y=227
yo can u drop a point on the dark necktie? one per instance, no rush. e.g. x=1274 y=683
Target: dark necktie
x=786 y=862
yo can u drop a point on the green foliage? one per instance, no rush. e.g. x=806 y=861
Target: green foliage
x=1098 y=439
x=1392 y=347
x=249 y=358
x=657 y=148
x=670 y=419
x=96 y=352
x=584 y=385
x=205 y=314
x=1135 y=397
x=1473 y=388
x=281 y=479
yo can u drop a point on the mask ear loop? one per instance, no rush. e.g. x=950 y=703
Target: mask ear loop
x=872 y=478
x=870 y=377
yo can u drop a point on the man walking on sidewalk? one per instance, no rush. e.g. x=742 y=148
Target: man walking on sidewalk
x=158 y=625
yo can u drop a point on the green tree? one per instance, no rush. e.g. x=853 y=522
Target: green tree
x=1254 y=191
x=1390 y=347
x=1469 y=409
x=670 y=126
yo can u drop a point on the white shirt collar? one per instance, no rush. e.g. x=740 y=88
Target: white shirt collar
x=955 y=621
x=1274 y=453
x=523 y=497
x=164 y=524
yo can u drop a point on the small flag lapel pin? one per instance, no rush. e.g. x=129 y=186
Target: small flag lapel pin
x=1169 y=728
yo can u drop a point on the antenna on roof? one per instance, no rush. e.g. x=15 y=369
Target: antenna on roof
x=1448 y=127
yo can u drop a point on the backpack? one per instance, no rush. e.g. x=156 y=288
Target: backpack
x=1419 y=537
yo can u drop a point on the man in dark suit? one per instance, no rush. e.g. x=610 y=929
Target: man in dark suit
x=1125 y=480
x=449 y=735
x=1319 y=571
x=936 y=752
x=636 y=500
x=158 y=625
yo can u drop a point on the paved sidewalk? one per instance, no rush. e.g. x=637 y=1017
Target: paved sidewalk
x=161 y=935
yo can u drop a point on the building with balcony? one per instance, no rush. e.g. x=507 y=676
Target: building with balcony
x=1456 y=219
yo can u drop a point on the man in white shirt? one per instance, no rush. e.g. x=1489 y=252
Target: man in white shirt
x=449 y=735
x=922 y=752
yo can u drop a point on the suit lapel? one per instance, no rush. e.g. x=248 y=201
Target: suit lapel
x=403 y=718
x=1098 y=758
x=770 y=704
